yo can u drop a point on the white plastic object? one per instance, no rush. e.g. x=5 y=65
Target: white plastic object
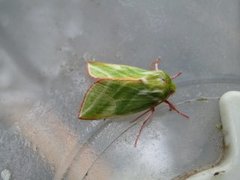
x=228 y=168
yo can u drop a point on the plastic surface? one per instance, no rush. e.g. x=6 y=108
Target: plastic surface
x=43 y=48
x=230 y=115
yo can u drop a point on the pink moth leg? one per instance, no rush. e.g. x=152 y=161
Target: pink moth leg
x=147 y=118
x=155 y=64
x=173 y=107
x=176 y=75
x=140 y=115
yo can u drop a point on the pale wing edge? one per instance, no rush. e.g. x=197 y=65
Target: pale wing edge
x=90 y=64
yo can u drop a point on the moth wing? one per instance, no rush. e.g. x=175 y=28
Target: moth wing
x=97 y=103
x=114 y=71
x=109 y=98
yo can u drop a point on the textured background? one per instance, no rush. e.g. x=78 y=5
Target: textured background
x=43 y=48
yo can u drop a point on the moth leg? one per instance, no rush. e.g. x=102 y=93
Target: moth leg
x=176 y=75
x=140 y=116
x=147 y=118
x=155 y=64
x=173 y=107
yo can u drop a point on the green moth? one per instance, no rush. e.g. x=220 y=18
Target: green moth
x=122 y=90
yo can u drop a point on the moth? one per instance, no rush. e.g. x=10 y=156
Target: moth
x=122 y=90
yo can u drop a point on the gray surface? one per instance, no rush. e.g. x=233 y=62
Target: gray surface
x=43 y=45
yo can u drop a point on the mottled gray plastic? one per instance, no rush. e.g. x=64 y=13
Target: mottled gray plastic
x=43 y=48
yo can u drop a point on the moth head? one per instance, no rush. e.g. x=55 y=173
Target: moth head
x=170 y=85
x=172 y=88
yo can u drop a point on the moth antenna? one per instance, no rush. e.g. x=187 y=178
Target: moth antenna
x=148 y=117
x=176 y=75
x=173 y=107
